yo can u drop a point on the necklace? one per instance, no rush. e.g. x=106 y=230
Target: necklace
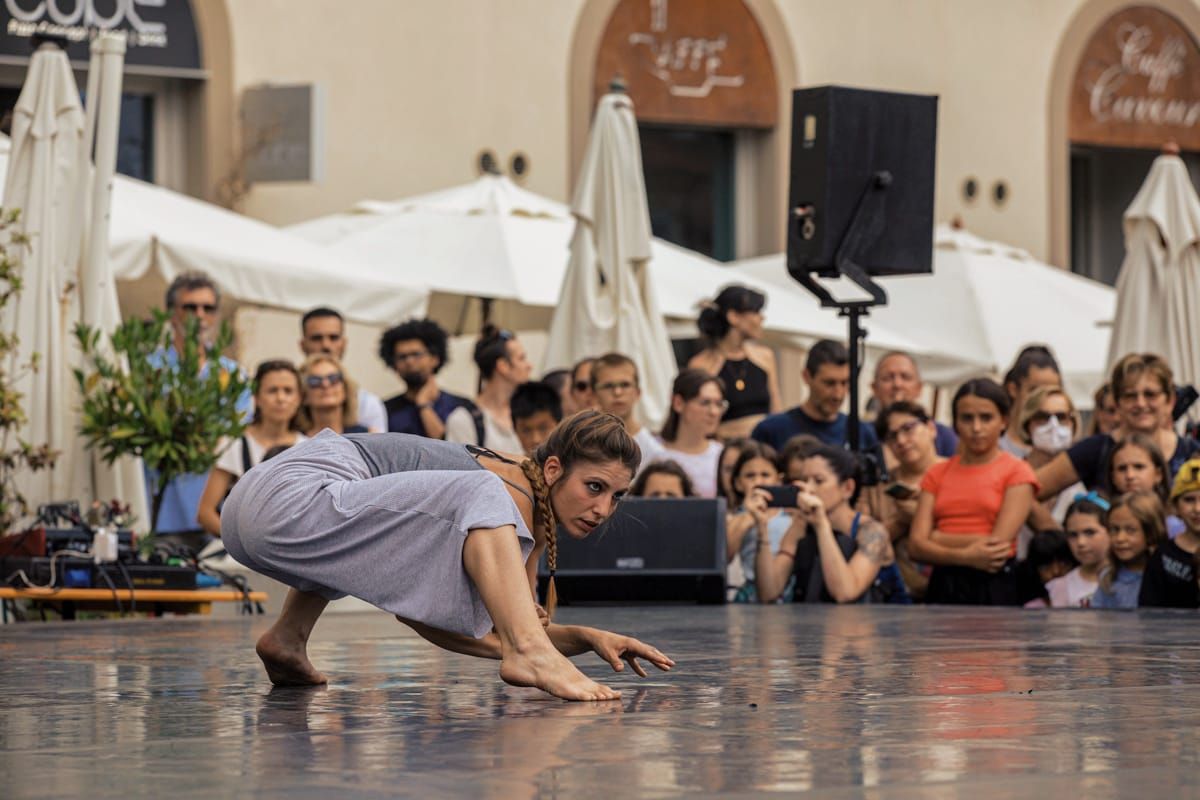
x=739 y=382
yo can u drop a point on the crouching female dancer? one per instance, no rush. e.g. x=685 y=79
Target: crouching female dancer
x=439 y=535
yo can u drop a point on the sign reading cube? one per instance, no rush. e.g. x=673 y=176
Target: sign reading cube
x=283 y=133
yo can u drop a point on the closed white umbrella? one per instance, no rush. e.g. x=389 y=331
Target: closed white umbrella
x=608 y=300
x=45 y=181
x=1158 y=288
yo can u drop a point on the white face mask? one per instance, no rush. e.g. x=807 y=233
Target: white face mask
x=1052 y=436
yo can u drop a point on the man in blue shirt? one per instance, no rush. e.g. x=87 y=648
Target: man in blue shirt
x=192 y=294
x=827 y=375
x=897 y=380
x=416 y=350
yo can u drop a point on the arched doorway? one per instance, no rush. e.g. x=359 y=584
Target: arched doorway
x=711 y=84
x=1126 y=81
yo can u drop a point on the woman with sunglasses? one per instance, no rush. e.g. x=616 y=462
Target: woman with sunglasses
x=1144 y=388
x=329 y=397
x=276 y=424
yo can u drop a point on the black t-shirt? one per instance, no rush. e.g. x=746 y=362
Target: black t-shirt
x=810 y=580
x=1170 y=579
x=1089 y=457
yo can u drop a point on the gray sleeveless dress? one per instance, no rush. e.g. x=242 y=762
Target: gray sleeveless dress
x=380 y=516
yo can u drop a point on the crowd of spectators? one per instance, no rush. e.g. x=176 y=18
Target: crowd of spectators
x=1018 y=501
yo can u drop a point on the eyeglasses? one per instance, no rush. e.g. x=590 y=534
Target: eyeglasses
x=582 y=386
x=196 y=308
x=400 y=358
x=317 y=381
x=719 y=405
x=904 y=430
x=1149 y=395
x=1042 y=417
x=616 y=387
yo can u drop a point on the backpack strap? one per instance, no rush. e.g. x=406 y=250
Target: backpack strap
x=246 y=465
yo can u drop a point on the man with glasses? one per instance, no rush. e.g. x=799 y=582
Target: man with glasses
x=416 y=351
x=191 y=295
x=897 y=380
x=579 y=394
x=617 y=391
x=323 y=330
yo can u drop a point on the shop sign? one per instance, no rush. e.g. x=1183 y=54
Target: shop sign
x=1138 y=83
x=161 y=35
x=694 y=62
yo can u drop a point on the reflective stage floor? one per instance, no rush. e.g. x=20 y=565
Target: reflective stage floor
x=855 y=701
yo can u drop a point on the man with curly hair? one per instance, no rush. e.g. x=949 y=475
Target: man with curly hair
x=416 y=351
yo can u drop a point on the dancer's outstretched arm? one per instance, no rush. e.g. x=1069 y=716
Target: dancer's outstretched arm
x=570 y=640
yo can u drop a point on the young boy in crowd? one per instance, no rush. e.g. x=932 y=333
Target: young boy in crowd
x=617 y=390
x=536 y=410
x=1170 y=578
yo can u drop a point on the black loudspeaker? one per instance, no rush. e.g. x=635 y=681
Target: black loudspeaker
x=853 y=147
x=647 y=551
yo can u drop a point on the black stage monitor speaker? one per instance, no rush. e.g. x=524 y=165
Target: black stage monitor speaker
x=648 y=551
x=842 y=140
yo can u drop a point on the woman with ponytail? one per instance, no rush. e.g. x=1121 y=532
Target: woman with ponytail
x=730 y=324
x=445 y=536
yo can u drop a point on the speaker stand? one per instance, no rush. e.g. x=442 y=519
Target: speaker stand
x=865 y=227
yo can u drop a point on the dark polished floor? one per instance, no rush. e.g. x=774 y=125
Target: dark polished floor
x=853 y=701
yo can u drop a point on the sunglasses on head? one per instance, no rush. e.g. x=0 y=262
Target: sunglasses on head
x=196 y=308
x=317 y=381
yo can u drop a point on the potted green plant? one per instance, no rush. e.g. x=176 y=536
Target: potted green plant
x=171 y=415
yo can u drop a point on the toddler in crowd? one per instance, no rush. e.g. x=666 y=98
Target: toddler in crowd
x=662 y=479
x=1136 y=527
x=1086 y=526
x=1049 y=558
x=1170 y=578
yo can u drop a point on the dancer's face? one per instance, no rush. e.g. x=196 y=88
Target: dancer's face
x=586 y=495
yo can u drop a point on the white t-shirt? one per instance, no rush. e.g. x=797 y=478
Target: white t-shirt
x=371 y=413
x=1071 y=591
x=498 y=436
x=651 y=446
x=700 y=467
x=231 y=460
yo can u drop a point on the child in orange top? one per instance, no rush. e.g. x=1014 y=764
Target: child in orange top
x=972 y=506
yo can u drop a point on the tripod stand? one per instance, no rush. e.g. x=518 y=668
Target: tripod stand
x=865 y=227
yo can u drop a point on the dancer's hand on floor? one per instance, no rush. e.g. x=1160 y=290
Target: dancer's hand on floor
x=613 y=648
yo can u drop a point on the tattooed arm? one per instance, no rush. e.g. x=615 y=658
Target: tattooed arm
x=848 y=580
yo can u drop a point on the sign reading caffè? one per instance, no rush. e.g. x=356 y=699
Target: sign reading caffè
x=1138 y=83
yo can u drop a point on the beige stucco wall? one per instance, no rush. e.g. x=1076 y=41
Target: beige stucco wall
x=416 y=89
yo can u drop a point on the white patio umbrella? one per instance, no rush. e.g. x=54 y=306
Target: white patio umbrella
x=492 y=238
x=46 y=180
x=156 y=234
x=1158 y=288
x=608 y=301
x=982 y=304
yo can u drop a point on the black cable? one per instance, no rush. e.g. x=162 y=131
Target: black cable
x=113 y=587
x=129 y=583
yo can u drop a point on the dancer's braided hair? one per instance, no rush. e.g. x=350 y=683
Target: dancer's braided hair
x=589 y=436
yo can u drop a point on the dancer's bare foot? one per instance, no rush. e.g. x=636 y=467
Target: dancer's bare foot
x=545 y=668
x=287 y=661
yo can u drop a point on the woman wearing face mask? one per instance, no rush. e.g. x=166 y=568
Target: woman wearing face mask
x=1047 y=424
